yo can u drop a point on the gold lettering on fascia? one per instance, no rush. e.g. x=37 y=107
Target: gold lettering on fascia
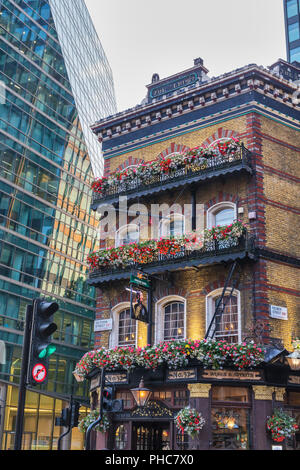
x=173 y=86
x=230 y=374
x=294 y=379
x=116 y=378
x=181 y=374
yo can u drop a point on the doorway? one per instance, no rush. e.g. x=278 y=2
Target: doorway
x=151 y=436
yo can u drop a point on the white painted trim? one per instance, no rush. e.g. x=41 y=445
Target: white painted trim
x=114 y=335
x=221 y=139
x=210 y=215
x=159 y=315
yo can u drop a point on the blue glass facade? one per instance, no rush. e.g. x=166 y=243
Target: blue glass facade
x=292 y=27
x=53 y=90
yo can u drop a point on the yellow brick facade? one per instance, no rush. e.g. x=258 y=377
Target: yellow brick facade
x=190 y=139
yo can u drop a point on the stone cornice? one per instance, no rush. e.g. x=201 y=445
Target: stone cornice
x=213 y=91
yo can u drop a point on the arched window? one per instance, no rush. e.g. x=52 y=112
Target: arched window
x=170 y=319
x=126 y=334
x=127 y=234
x=223 y=213
x=124 y=331
x=121 y=437
x=172 y=226
x=227 y=324
x=129 y=167
x=174 y=321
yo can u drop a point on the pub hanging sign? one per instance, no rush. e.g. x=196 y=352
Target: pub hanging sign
x=140 y=296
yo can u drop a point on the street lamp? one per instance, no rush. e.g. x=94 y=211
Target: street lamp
x=294 y=358
x=141 y=394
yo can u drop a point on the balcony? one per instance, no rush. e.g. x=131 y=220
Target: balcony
x=154 y=257
x=196 y=165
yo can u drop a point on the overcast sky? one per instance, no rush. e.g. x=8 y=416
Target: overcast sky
x=164 y=36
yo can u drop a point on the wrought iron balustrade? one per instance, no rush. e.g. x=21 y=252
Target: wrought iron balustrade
x=210 y=252
x=206 y=168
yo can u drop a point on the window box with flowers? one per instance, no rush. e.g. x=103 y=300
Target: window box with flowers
x=177 y=166
x=167 y=249
x=174 y=354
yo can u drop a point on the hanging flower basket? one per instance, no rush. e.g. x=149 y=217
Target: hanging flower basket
x=281 y=425
x=189 y=421
x=85 y=422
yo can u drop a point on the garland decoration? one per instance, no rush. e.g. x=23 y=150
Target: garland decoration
x=194 y=159
x=281 y=425
x=189 y=421
x=151 y=250
x=175 y=354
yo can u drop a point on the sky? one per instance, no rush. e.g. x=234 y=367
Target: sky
x=165 y=36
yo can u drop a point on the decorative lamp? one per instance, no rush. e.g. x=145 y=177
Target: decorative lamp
x=294 y=358
x=141 y=394
x=78 y=378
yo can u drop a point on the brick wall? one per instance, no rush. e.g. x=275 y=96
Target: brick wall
x=272 y=193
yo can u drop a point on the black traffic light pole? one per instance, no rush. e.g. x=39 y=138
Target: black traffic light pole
x=23 y=378
x=36 y=337
x=68 y=429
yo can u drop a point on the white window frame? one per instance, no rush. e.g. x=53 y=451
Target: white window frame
x=212 y=211
x=115 y=313
x=163 y=230
x=210 y=306
x=124 y=228
x=221 y=139
x=127 y=167
x=159 y=316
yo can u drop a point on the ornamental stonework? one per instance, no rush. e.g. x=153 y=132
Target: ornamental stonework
x=199 y=390
x=279 y=393
x=261 y=392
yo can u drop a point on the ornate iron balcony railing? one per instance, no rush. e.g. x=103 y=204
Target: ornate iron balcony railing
x=211 y=168
x=212 y=252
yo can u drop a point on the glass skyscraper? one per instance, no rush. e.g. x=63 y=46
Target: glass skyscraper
x=55 y=80
x=292 y=28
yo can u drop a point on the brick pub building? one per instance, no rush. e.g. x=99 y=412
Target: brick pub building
x=247 y=288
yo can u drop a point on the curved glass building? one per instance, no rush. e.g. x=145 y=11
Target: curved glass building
x=292 y=29
x=54 y=81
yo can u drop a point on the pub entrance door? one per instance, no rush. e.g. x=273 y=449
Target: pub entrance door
x=151 y=436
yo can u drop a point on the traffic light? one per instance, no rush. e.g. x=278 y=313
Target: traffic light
x=41 y=347
x=64 y=419
x=109 y=403
x=107 y=399
x=75 y=414
x=69 y=416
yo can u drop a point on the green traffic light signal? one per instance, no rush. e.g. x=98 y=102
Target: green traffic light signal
x=41 y=347
x=48 y=351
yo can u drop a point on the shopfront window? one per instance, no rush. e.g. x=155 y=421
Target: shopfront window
x=182 y=440
x=121 y=437
x=230 y=418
